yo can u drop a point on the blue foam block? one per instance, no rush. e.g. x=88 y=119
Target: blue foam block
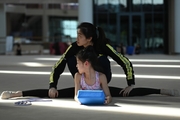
x=91 y=97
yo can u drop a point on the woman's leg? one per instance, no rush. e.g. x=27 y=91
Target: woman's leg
x=134 y=92
x=36 y=93
x=144 y=91
x=10 y=94
x=115 y=92
x=43 y=93
x=66 y=93
x=104 y=62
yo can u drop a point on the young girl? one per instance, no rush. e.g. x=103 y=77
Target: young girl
x=89 y=77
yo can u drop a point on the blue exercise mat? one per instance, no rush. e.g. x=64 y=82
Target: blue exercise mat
x=91 y=97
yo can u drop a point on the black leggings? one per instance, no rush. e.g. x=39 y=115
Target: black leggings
x=69 y=92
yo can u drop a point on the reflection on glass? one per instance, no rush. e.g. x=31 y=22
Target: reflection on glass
x=69 y=6
x=158 y=5
x=101 y=2
x=63 y=6
x=69 y=28
x=124 y=30
x=136 y=30
x=147 y=5
x=123 y=5
x=136 y=2
x=154 y=33
x=62 y=27
x=148 y=32
x=156 y=2
x=112 y=28
x=158 y=32
x=114 y=5
x=147 y=1
x=102 y=5
x=136 y=5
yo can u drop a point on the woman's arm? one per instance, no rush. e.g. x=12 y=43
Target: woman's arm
x=104 y=85
x=60 y=65
x=123 y=61
x=77 y=86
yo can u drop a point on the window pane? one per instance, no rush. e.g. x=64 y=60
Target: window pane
x=147 y=5
x=136 y=5
x=69 y=28
x=113 y=5
x=102 y=5
x=158 y=33
x=158 y=5
x=112 y=29
x=148 y=33
x=123 y=5
x=124 y=30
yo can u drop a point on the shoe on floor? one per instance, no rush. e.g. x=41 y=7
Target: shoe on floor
x=170 y=92
x=7 y=94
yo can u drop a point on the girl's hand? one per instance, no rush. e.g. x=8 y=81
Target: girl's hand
x=77 y=100
x=126 y=90
x=107 y=100
x=53 y=93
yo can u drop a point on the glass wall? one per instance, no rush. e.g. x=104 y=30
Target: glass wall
x=62 y=29
x=133 y=22
x=27 y=23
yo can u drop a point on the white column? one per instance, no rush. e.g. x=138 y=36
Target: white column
x=177 y=26
x=2 y=29
x=85 y=11
x=45 y=24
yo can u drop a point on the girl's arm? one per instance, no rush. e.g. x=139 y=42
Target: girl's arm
x=104 y=85
x=77 y=85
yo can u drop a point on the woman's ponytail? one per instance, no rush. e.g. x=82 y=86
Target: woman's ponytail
x=102 y=37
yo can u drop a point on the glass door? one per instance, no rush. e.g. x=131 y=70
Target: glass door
x=131 y=30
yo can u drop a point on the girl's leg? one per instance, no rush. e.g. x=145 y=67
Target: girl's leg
x=134 y=92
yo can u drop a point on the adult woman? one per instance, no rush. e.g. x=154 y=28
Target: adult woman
x=87 y=35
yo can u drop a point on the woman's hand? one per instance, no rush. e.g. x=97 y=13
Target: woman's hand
x=126 y=90
x=53 y=93
x=108 y=100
